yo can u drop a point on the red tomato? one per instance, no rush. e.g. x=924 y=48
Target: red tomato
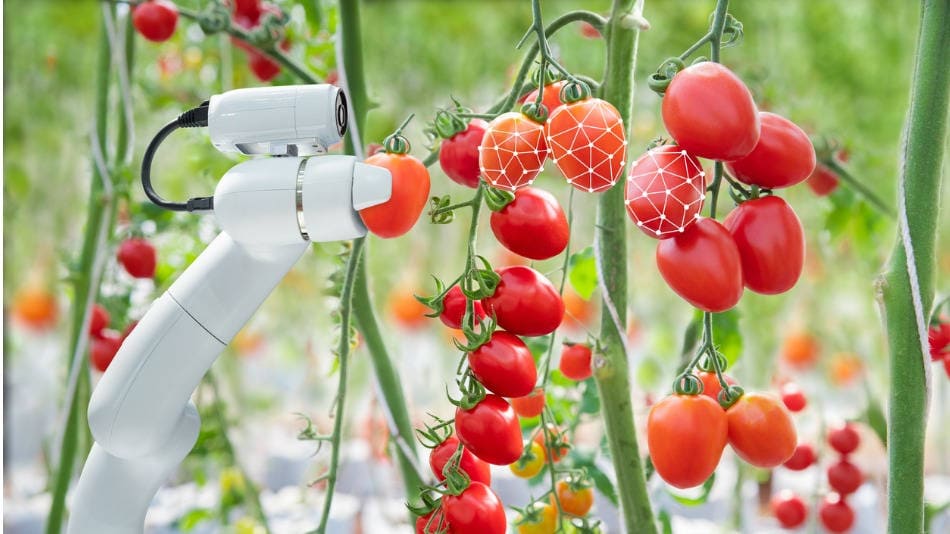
x=836 y=514
x=789 y=509
x=588 y=144
x=783 y=157
x=512 y=152
x=248 y=8
x=453 y=308
x=557 y=438
x=710 y=112
x=490 y=430
x=551 y=99
x=938 y=336
x=575 y=361
x=99 y=320
x=844 y=438
x=264 y=68
x=530 y=405
x=803 y=457
x=504 y=365
x=711 y=385
x=532 y=225
x=761 y=430
x=476 y=511
x=155 y=19
x=771 y=243
x=588 y=30
x=433 y=523
x=103 y=348
x=138 y=257
x=397 y=215
x=702 y=265
x=665 y=191
x=686 y=435
x=35 y=307
x=477 y=470
x=525 y=302
x=793 y=397
x=823 y=181
x=844 y=477
x=577 y=501
x=458 y=155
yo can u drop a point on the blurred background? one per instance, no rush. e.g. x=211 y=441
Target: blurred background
x=839 y=69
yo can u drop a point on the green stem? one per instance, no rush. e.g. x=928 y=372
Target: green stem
x=612 y=374
x=907 y=289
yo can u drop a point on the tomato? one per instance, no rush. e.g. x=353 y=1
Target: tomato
x=702 y=265
x=35 y=307
x=761 y=430
x=525 y=302
x=264 y=68
x=138 y=257
x=938 y=337
x=823 y=181
x=711 y=385
x=557 y=439
x=575 y=361
x=477 y=470
x=433 y=523
x=575 y=501
x=800 y=350
x=155 y=19
x=247 y=8
x=531 y=462
x=490 y=430
x=665 y=191
x=405 y=309
x=844 y=438
x=836 y=514
x=544 y=523
x=771 y=244
x=551 y=99
x=783 y=157
x=588 y=30
x=458 y=155
x=476 y=511
x=512 y=151
x=710 y=112
x=789 y=509
x=844 y=477
x=803 y=458
x=845 y=368
x=530 y=405
x=578 y=312
x=103 y=348
x=453 y=308
x=588 y=144
x=504 y=365
x=793 y=398
x=686 y=435
x=99 y=320
x=533 y=225
x=410 y=192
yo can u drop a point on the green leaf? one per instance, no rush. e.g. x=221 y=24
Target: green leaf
x=314 y=11
x=582 y=272
x=874 y=416
x=726 y=334
x=193 y=517
x=696 y=501
x=590 y=399
x=649 y=373
x=665 y=521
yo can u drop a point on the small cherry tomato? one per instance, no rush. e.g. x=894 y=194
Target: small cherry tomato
x=844 y=438
x=783 y=157
x=490 y=430
x=98 y=321
x=771 y=244
x=504 y=365
x=789 y=509
x=155 y=19
x=576 y=361
x=665 y=191
x=433 y=523
x=557 y=438
x=525 y=302
x=453 y=308
x=686 y=435
x=103 y=348
x=800 y=350
x=264 y=68
x=836 y=514
x=138 y=257
x=410 y=192
x=532 y=225
x=844 y=477
x=458 y=155
x=477 y=470
x=35 y=307
x=477 y=510
x=512 y=152
x=823 y=181
x=588 y=144
x=803 y=458
x=761 y=430
x=543 y=522
x=551 y=99
x=530 y=405
x=531 y=462
x=793 y=397
x=405 y=309
x=574 y=500
x=711 y=385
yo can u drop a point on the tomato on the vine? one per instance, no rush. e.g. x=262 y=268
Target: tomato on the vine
x=665 y=191
x=711 y=385
x=823 y=181
x=525 y=302
x=155 y=19
x=410 y=192
x=702 y=265
x=710 y=112
x=588 y=143
x=803 y=458
x=490 y=430
x=531 y=462
x=530 y=405
x=532 y=225
x=686 y=435
x=551 y=99
x=844 y=477
x=844 y=438
x=477 y=510
x=836 y=514
x=575 y=501
x=98 y=321
x=789 y=509
x=264 y=68
x=433 y=523
x=783 y=157
x=35 y=307
x=138 y=257
x=800 y=350
x=504 y=365
x=761 y=430
x=793 y=397
x=543 y=522
x=771 y=244
x=103 y=348
x=477 y=470
x=458 y=155
x=557 y=438
x=575 y=361
x=453 y=308
x=512 y=152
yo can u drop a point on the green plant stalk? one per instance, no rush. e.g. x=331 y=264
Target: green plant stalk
x=907 y=288
x=613 y=376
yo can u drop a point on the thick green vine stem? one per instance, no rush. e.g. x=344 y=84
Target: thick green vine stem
x=907 y=289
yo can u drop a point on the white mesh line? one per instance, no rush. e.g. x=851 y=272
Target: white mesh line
x=512 y=152
x=582 y=145
x=674 y=192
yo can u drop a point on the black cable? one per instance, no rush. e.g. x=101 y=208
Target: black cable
x=193 y=118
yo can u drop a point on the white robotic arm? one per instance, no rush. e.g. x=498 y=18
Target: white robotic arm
x=269 y=210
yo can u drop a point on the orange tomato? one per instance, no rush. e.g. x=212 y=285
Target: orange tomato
x=405 y=309
x=845 y=368
x=551 y=99
x=410 y=192
x=35 y=307
x=686 y=435
x=531 y=405
x=800 y=350
x=578 y=313
x=557 y=436
x=761 y=430
x=575 y=501
x=544 y=523
x=247 y=341
x=711 y=385
x=512 y=152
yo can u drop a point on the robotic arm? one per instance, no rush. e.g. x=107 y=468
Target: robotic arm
x=269 y=210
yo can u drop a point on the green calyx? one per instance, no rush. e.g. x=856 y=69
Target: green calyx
x=550 y=75
x=396 y=144
x=497 y=199
x=214 y=18
x=688 y=384
x=447 y=124
x=730 y=395
x=574 y=91
x=664 y=74
x=534 y=111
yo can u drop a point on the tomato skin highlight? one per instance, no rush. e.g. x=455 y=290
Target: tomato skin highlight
x=138 y=257
x=789 y=509
x=530 y=405
x=476 y=511
x=710 y=112
x=504 y=365
x=665 y=191
x=783 y=157
x=844 y=477
x=686 y=435
x=844 y=438
x=702 y=265
x=155 y=20
x=458 y=155
x=453 y=308
x=761 y=430
x=477 y=470
x=823 y=181
x=771 y=243
x=836 y=514
x=533 y=225
x=512 y=152
x=410 y=193
x=525 y=302
x=575 y=362
x=803 y=458
x=588 y=144
x=490 y=430
x=574 y=502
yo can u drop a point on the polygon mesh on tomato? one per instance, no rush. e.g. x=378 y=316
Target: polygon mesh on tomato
x=512 y=152
x=588 y=144
x=665 y=191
